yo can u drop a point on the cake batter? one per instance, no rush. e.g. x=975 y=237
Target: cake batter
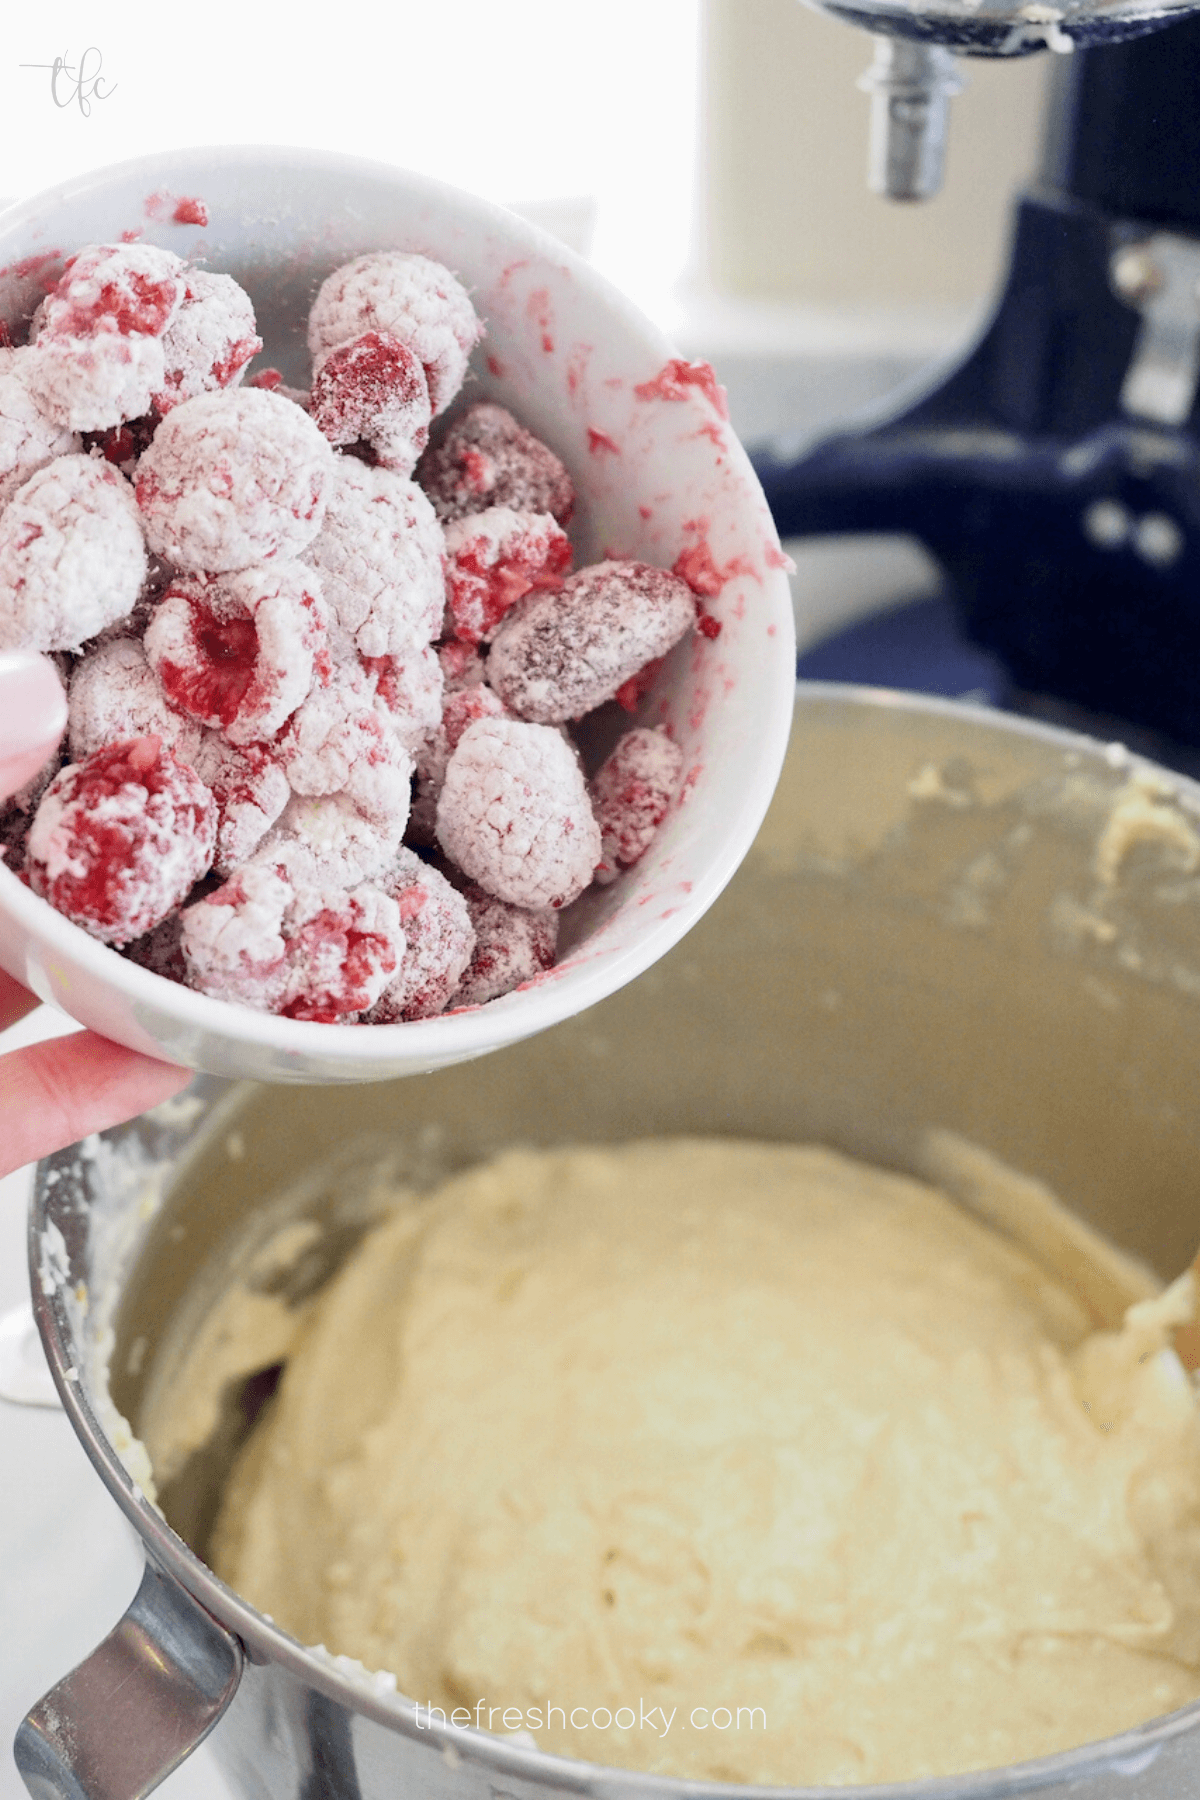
x=699 y=1430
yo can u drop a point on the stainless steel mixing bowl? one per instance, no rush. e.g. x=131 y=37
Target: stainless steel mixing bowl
x=924 y=936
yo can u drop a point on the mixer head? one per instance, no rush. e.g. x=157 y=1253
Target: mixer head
x=916 y=71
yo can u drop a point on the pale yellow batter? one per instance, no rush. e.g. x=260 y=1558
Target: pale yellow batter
x=688 y=1429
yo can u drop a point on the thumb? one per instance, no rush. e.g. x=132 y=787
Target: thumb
x=33 y=716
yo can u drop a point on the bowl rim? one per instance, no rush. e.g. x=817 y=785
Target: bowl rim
x=1126 y=1753
x=567 y=987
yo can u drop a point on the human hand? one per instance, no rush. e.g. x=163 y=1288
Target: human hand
x=54 y=1093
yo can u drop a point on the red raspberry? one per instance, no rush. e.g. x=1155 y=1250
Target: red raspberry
x=373 y=390
x=28 y=439
x=631 y=792
x=250 y=790
x=340 y=958
x=493 y=558
x=439 y=940
x=115 y=694
x=513 y=944
x=72 y=557
x=487 y=459
x=557 y=656
x=239 y=652
x=408 y=297
x=461 y=709
x=514 y=814
x=380 y=555
x=129 y=289
x=121 y=839
x=210 y=340
x=233 y=478
x=319 y=953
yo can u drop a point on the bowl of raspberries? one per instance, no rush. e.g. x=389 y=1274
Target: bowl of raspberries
x=427 y=642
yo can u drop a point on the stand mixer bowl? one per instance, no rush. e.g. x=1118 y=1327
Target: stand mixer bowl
x=860 y=983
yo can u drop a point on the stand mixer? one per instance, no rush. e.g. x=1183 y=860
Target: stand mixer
x=1055 y=472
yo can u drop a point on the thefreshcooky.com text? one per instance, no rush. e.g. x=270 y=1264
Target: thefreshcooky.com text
x=598 y=1718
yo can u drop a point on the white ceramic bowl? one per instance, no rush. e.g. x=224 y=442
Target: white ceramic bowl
x=654 y=474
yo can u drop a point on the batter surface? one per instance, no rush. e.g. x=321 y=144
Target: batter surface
x=701 y=1426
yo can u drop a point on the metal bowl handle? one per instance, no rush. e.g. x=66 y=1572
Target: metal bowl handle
x=119 y=1723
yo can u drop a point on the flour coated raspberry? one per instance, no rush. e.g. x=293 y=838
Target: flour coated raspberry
x=462 y=665
x=439 y=942
x=342 y=949
x=233 y=943
x=512 y=945
x=324 y=954
x=97 y=352
x=559 y=655
x=408 y=690
x=514 y=814
x=92 y=383
x=210 y=340
x=327 y=840
x=275 y=667
x=380 y=556
x=338 y=741
x=432 y=755
x=373 y=390
x=233 y=479
x=493 y=559
x=114 y=694
x=487 y=459
x=410 y=298
x=250 y=790
x=28 y=438
x=126 y=290
x=72 y=555
x=240 y=652
x=119 y=840
x=631 y=792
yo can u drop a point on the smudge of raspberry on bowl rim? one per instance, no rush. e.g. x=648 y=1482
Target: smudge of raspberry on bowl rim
x=677 y=378
x=600 y=443
x=190 y=211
